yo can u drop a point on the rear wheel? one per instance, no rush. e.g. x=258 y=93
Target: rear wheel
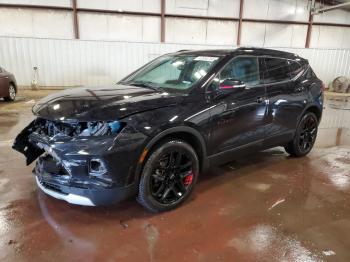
x=168 y=176
x=12 y=93
x=305 y=136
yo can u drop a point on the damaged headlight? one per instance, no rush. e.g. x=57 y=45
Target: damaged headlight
x=101 y=128
x=71 y=128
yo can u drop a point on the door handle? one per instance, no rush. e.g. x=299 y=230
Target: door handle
x=259 y=99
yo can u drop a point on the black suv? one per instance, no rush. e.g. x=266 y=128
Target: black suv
x=154 y=132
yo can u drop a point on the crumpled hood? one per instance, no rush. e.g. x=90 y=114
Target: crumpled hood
x=101 y=103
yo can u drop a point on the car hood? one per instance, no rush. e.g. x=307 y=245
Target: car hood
x=102 y=103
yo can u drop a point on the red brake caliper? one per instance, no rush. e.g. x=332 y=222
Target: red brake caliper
x=188 y=179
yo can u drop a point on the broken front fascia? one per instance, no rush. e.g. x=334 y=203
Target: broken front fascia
x=84 y=170
x=72 y=151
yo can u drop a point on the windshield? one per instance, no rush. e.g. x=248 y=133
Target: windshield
x=174 y=72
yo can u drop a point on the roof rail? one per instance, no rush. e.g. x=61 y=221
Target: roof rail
x=182 y=50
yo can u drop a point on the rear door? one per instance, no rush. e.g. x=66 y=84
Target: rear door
x=238 y=119
x=285 y=99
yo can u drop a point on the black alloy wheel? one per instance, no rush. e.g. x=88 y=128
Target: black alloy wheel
x=305 y=136
x=168 y=176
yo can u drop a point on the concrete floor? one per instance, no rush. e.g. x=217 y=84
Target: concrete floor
x=266 y=207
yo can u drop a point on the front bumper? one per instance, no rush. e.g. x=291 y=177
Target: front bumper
x=70 y=198
x=67 y=168
x=69 y=179
x=54 y=181
x=85 y=197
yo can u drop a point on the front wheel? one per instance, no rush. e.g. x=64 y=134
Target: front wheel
x=305 y=136
x=168 y=176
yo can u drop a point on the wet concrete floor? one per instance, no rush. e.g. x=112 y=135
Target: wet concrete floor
x=265 y=207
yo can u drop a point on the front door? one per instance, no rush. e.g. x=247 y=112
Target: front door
x=238 y=119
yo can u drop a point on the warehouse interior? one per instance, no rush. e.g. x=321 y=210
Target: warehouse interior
x=267 y=206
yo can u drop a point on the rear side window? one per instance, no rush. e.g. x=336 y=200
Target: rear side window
x=295 y=68
x=277 y=70
x=310 y=74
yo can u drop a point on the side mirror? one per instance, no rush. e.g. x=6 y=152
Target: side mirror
x=231 y=84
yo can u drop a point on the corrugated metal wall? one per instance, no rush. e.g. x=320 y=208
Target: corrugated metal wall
x=79 y=62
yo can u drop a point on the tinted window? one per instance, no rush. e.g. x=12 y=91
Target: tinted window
x=295 y=68
x=245 y=69
x=276 y=70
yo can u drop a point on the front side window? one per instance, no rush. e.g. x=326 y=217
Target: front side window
x=245 y=69
x=277 y=70
x=174 y=72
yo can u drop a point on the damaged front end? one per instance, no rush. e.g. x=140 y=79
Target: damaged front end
x=74 y=159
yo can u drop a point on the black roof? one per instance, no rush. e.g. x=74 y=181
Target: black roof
x=241 y=50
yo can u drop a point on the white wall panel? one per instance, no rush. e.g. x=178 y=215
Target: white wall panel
x=118 y=27
x=285 y=35
x=185 y=30
x=273 y=35
x=223 y=8
x=77 y=62
x=129 y=5
x=288 y=10
x=293 y=10
x=65 y=3
x=187 y=7
x=330 y=37
x=256 y=10
x=200 y=31
x=36 y=23
x=278 y=35
x=253 y=34
x=346 y=38
x=299 y=35
x=221 y=33
x=151 y=29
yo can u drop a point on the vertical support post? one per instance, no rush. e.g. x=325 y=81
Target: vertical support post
x=162 y=21
x=75 y=19
x=338 y=138
x=239 y=31
x=309 y=30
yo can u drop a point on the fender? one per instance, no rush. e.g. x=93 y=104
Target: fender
x=169 y=131
x=177 y=129
x=311 y=105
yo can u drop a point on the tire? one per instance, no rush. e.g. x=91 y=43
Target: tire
x=304 y=137
x=12 y=94
x=168 y=176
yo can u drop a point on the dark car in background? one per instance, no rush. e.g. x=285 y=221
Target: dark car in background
x=153 y=133
x=8 y=86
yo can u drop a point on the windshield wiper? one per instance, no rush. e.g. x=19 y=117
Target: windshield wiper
x=144 y=84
